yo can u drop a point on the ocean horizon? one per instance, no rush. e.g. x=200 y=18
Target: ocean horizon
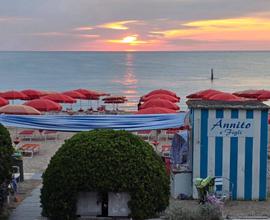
x=135 y=73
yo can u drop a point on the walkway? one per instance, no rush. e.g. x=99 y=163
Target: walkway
x=29 y=209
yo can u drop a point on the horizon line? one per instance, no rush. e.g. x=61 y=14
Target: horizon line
x=137 y=51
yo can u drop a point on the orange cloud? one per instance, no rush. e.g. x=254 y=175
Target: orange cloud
x=246 y=28
x=119 y=25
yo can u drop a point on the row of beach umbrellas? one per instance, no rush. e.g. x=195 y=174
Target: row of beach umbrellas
x=49 y=101
x=155 y=102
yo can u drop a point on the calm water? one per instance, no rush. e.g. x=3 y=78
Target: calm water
x=134 y=74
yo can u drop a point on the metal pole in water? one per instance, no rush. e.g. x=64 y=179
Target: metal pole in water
x=212 y=74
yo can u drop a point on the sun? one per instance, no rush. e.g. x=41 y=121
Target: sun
x=129 y=39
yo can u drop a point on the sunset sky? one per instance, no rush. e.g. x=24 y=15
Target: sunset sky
x=134 y=25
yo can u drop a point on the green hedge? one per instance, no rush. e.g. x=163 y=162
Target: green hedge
x=105 y=161
x=6 y=151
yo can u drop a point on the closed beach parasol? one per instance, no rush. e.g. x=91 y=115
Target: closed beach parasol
x=19 y=110
x=114 y=99
x=59 y=98
x=161 y=91
x=44 y=105
x=203 y=94
x=13 y=95
x=225 y=97
x=32 y=94
x=160 y=96
x=3 y=102
x=159 y=103
x=155 y=110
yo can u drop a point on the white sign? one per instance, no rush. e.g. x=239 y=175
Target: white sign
x=221 y=127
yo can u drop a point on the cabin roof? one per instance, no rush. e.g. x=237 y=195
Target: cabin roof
x=213 y=104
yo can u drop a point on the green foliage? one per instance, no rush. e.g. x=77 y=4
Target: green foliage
x=200 y=212
x=6 y=151
x=105 y=161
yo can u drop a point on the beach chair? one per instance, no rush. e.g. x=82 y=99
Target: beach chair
x=30 y=149
x=170 y=133
x=219 y=189
x=145 y=134
x=50 y=135
x=101 y=109
x=27 y=134
x=165 y=150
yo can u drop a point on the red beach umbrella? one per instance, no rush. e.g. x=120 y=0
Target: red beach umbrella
x=3 y=102
x=44 y=105
x=74 y=94
x=104 y=94
x=32 y=94
x=155 y=110
x=47 y=92
x=161 y=91
x=19 y=110
x=225 y=97
x=159 y=103
x=13 y=95
x=160 y=96
x=115 y=100
x=89 y=94
x=202 y=94
x=264 y=96
x=59 y=98
x=251 y=93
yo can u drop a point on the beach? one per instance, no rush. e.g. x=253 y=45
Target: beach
x=37 y=164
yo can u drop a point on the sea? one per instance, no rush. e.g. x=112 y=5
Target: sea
x=133 y=74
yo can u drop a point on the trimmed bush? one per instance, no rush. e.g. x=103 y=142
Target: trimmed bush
x=105 y=161
x=6 y=151
x=199 y=212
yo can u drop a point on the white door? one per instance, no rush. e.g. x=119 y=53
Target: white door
x=88 y=204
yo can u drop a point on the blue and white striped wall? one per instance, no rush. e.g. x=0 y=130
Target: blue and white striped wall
x=241 y=159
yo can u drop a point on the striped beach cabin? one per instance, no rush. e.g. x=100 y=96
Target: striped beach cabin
x=229 y=140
